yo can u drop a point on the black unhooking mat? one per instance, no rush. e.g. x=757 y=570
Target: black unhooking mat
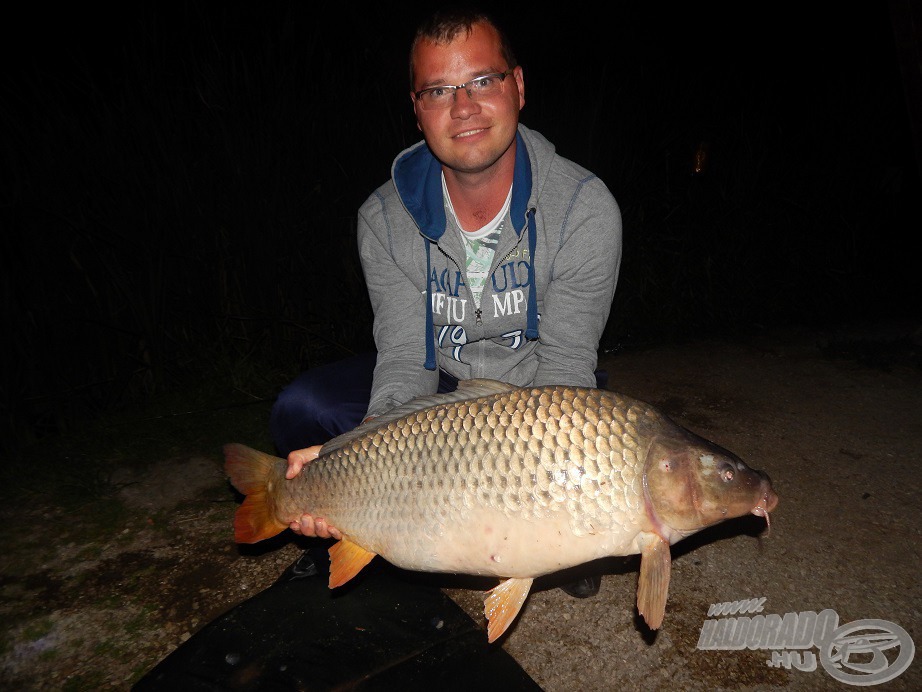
x=381 y=631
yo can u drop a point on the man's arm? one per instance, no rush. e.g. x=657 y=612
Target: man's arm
x=399 y=311
x=577 y=302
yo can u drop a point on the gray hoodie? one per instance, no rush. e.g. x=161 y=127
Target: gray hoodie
x=544 y=306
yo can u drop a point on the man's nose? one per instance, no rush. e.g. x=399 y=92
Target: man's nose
x=463 y=105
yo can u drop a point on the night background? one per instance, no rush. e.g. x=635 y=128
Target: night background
x=180 y=181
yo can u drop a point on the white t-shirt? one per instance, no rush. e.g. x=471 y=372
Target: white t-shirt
x=480 y=245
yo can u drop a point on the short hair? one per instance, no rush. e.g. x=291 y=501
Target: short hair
x=444 y=26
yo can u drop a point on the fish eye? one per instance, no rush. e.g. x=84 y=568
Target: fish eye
x=726 y=472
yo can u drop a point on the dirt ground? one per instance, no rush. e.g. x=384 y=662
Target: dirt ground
x=834 y=417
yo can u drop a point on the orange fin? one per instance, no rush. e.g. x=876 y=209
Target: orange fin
x=502 y=605
x=253 y=521
x=346 y=560
x=653 y=585
x=247 y=468
x=248 y=471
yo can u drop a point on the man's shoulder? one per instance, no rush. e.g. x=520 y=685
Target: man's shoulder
x=562 y=166
x=559 y=169
x=569 y=180
x=383 y=214
x=383 y=195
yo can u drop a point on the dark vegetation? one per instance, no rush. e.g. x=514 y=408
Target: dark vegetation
x=181 y=181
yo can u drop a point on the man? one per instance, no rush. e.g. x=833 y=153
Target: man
x=485 y=255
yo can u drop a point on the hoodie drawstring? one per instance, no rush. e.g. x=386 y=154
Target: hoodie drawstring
x=430 y=332
x=531 y=318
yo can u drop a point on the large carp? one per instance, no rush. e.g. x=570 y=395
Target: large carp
x=510 y=482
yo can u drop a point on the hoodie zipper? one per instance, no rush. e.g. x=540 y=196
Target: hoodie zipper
x=522 y=235
x=478 y=313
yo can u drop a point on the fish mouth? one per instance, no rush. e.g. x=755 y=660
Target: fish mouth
x=766 y=503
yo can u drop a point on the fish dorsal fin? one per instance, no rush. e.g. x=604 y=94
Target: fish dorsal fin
x=467 y=389
x=346 y=560
x=502 y=605
x=653 y=584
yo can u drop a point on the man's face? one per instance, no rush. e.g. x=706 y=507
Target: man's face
x=468 y=136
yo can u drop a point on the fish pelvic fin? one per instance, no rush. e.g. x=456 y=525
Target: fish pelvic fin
x=346 y=560
x=653 y=584
x=503 y=603
x=248 y=471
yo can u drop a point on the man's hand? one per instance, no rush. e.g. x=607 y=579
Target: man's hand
x=308 y=525
x=300 y=458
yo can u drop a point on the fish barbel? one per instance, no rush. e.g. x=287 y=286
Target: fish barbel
x=510 y=482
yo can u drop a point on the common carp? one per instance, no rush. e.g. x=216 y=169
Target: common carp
x=508 y=482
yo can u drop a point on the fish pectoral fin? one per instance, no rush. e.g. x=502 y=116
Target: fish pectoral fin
x=503 y=603
x=346 y=560
x=653 y=585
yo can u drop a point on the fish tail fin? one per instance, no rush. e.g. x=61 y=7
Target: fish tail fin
x=248 y=470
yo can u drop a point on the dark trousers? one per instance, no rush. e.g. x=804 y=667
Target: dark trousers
x=332 y=399
x=327 y=401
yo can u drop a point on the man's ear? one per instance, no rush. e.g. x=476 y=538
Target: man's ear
x=520 y=84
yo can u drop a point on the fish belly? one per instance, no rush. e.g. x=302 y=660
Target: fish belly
x=496 y=545
x=485 y=542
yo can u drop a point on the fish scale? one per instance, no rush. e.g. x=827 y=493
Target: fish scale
x=491 y=476
x=508 y=482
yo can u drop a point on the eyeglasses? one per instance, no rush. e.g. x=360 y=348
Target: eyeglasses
x=482 y=87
